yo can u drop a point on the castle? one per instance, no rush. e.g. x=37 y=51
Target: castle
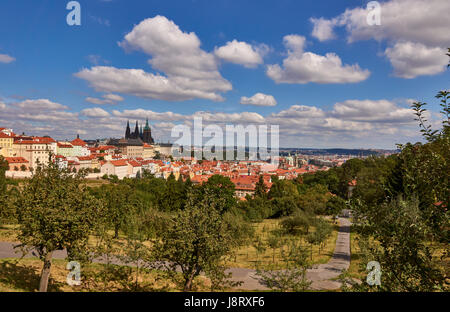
x=143 y=134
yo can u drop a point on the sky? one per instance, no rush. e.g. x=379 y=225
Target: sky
x=328 y=76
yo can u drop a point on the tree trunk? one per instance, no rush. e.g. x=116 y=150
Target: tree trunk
x=45 y=274
x=188 y=283
x=116 y=232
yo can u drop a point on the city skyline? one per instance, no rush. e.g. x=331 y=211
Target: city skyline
x=328 y=79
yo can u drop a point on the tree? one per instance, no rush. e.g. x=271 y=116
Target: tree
x=293 y=277
x=261 y=188
x=222 y=188
x=299 y=222
x=196 y=240
x=282 y=188
x=119 y=203
x=406 y=227
x=157 y=155
x=4 y=166
x=55 y=211
x=335 y=205
x=402 y=248
x=173 y=198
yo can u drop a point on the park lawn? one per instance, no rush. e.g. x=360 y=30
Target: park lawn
x=354 y=271
x=8 y=233
x=22 y=275
x=248 y=257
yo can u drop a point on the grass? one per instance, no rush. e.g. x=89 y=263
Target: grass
x=23 y=275
x=248 y=257
x=8 y=233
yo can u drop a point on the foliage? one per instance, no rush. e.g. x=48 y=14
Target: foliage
x=401 y=232
x=293 y=278
x=55 y=211
x=196 y=240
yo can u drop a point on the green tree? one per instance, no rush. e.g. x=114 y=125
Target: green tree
x=55 y=211
x=293 y=277
x=120 y=202
x=196 y=240
x=222 y=188
x=4 y=166
x=261 y=188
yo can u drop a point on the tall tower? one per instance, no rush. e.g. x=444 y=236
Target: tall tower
x=147 y=137
x=128 y=131
x=136 y=131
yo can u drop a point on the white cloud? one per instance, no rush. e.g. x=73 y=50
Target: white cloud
x=409 y=20
x=410 y=60
x=239 y=52
x=189 y=71
x=39 y=105
x=259 y=99
x=107 y=99
x=94 y=112
x=351 y=123
x=304 y=67
x=323 y=29
x=5 y=58
x=406 y=25
x=300 y=111
x=382 y=111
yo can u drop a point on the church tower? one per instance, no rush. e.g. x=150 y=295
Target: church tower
x=147 y=137
x=136 y=131
x=128 y=131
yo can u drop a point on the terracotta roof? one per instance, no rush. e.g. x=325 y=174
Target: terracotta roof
x=16 y=160
x=119 y=163
x=78 y=142
x=5 y=136
x=134 y=163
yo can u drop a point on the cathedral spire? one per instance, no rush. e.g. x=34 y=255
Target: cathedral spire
x=128 y=131
x=136 y=130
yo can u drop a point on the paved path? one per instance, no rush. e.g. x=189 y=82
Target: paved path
x=320 y=275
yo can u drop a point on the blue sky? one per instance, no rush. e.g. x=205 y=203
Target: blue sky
x=55 y=79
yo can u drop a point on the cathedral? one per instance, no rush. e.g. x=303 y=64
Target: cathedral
x=144 y=134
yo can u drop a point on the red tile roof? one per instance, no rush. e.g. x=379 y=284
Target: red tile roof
x=119 y=163
x=78 y=142
x=16 y=160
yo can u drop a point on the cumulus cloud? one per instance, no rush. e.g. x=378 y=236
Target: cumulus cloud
x=107 y=99
x=352 y=123
x=5 y=58
x=40 y=105
x=406 y=25
x=94 y=112
x=410 y=60
x=303 y=67
x=239 y=52
x=190 y=72
x=323 y=28
x=409 y=20
x=259 y=99
x=382 y=111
